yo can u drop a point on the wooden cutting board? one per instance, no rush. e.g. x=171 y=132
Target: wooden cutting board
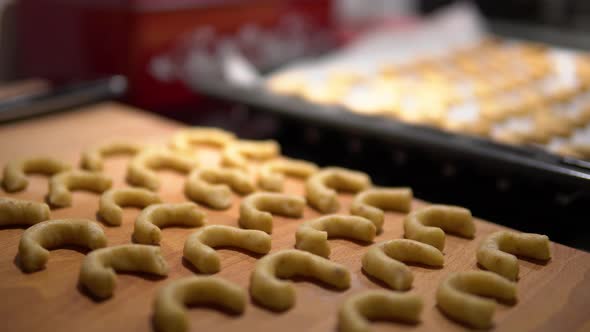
x=555 y=296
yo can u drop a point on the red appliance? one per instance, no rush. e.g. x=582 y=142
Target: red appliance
x=65 y=40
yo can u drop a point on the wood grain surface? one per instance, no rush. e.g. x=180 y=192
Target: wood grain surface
x=554 y=296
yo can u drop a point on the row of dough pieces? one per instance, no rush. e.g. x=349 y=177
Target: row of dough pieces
x=383 y=261
x=141 y=169
x=210 y=186
x=319 y=191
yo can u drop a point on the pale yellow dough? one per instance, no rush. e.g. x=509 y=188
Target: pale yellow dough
x=358 y=310
x=198 y=248
x=267 y=288
x=430 y=223
x=92 y=159
x=112 y=201
x=312 y=235
x=320 y=188
x=271 y=175
x=460 y=296
x=256 y=209
x=496 y=252
x=32 y=249
x=187 y=139
x=370 y=203
x=384 y=261
x=148 y=223
x=140 y=171
x=577 y=150
x=15 y=179
x=172 y=299
x=22 y=212
x=61 y=185
x=97 y=273
x=236 y=153
x=211 y=186
x=287 y=84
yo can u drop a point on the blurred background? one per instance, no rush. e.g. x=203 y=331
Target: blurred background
x=64 y=41
x=484 y=104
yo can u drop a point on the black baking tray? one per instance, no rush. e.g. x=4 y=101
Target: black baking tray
x=527 y=162
x=525 y=188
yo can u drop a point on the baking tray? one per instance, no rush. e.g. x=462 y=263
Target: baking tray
x=524 y=161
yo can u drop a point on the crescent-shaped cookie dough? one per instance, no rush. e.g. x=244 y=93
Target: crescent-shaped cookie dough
x=170 y=305
x=112 y=201
x=140 y=171
x=21 y=212
x=430 y=223
x=92 y=159
x=496 y=252
x=186 y=139
x=312 y=235
x=15 y=179
x=320 y=188
x=384 y=261
x=32 y=249
x=198 y=248
x=235 y=154
x=211 y=186
x=256 y=209
x=271 y=292
x=359 y=309
x=148 y=223
x=370 y=203
x=460 y=296
x=62 y=184
x=271 y=175
x=97 y=273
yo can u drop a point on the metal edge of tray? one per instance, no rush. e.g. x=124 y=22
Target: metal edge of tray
x=524 y=160
x=62 y=98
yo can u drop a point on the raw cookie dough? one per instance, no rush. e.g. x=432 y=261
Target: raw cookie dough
x=461 y=296
x=148 y=223
x=430 y=223
x=22 y=212
x=256 y=209
x=187 y=139
x=32 y=249
x=140 y=171
x=320 y=188
x=112 y=201
x=370 y=203
x=271 y=175
x=198 y=247
x=97 y=273
x=267 y=288
x=236 y=153
x=61 y=185
x=312 y=235
x=496 y=252
x=14 y=178
x=211 y=186
x=359 y=309
x=172 y=299
x=385 y=261
x=92 y=159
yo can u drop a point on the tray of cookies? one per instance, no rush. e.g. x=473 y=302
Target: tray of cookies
x=267 y=241
x=533 y=121
x=446 y=87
